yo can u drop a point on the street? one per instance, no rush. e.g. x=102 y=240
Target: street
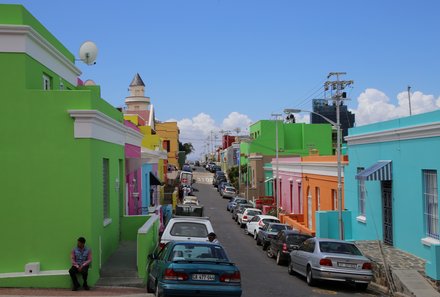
x=261 y=277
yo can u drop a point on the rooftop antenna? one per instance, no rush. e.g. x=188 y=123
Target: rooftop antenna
x=88 y=52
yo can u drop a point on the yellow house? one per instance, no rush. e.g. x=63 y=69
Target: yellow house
x=169 y=132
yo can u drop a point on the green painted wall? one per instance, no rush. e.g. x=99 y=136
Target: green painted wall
x=51 y=183
x=146 y=243
x=130 y=226
x=18 y=15
x=293 y=139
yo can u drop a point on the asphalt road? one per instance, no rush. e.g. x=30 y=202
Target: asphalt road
x=261 y=276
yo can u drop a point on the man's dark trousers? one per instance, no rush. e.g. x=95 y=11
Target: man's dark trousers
x=84 y=272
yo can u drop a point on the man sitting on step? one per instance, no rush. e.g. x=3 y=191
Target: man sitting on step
x=81 y=257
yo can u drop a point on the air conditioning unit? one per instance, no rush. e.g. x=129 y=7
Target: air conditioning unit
x=32 y=268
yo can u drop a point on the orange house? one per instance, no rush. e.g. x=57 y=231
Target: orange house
x=319 y=184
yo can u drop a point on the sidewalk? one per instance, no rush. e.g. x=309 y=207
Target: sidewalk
x=95 y=291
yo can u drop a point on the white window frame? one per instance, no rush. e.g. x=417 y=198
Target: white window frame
x=361 y=195
x=430 y=202
x=318 y=198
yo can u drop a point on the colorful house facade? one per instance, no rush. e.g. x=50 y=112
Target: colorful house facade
x=391 y=185
x=294 y=139
x=67 y=146
x=307 y=185
x=169 y=132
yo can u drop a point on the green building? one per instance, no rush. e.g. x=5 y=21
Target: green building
x=294 y=139
x=61 y=155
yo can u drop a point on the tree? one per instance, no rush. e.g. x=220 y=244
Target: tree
x=187 y=147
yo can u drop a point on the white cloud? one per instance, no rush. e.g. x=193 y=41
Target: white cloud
x=374 y=106
x=199 y=129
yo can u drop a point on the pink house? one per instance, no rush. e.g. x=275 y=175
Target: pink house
x=133 y=175
x=289 y=181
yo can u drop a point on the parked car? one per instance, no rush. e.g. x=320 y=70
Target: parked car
x=187 y=168
x=193 y=269
x=285 y=242
x=258 y=221
x=190 y=200
x=233 y=202
x=228 y=192
x=215 y=168
x=329 y=259
x=219 y=177
x=197 y=163
x=222 y=185
x=269 y=231
x=188 y=228
x=239 y=208
x=247 y=215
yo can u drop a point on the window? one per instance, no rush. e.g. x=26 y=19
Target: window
x=335 y=199
x=318 y=198
x=47 y=82
x=361 y=194
x=430 y=197
x=106 y=188
x=339 y=248
x=167 y=145
x=189 y=229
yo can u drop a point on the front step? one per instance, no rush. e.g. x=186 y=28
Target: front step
x=114 y=281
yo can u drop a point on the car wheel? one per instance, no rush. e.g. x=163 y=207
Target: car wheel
x=279 y=260
x=246 y=231
x=361 y=286
x=258 y=241
x=149 y=288
x=309 y=277
x=290 y=268
x=264 y=245
x=255 y=235
x=156 y=292
x=242 y=225
x=269 y=252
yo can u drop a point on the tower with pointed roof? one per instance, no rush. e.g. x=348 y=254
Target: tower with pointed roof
x=137 y=99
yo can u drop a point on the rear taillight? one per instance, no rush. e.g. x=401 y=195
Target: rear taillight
x=261 y=224
x=245 y=217
x=161 y=245
x=367 y=266
x=171 y=274
x=285 y=247
x=231 y=278
x=325 y=262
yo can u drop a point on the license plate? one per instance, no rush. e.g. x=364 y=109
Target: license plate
x=347 y=265
x=203 y=277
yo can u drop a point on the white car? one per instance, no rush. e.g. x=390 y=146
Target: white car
x=257 y=222
x=247 y=215
x=190 y=200
x=187 y=228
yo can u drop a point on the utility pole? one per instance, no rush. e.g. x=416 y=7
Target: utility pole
x=338 y=98
x=277 y=187
x=409 y=99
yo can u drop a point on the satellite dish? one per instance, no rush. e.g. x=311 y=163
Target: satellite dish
x=88 y=53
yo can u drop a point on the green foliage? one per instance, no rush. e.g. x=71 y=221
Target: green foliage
x=233 y=174
x=187 y=147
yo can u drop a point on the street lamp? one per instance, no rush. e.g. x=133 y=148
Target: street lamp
x=337 y=125
x=277 y=189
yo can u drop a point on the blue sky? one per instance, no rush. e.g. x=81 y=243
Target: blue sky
x=252 y=57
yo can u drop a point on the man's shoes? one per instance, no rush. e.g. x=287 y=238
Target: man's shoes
x=86 y=287
x=75 y=288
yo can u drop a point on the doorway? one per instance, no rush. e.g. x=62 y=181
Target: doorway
x=387 y=211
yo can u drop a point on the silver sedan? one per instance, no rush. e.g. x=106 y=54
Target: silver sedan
x=330 y=259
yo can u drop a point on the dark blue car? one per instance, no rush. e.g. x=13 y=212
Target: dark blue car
x=188 y=268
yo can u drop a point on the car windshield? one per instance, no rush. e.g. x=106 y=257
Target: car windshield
x=230 y=189
x=276 y=228
x=266 y=221
x=241 y=201
x=189 y=229
x=296 y=239
x=253 y=212
x=198 y=252
x=339 y=248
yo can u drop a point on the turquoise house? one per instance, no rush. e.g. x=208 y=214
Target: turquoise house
x=391 y=185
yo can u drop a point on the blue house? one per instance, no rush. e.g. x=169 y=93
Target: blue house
x=391 y=185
